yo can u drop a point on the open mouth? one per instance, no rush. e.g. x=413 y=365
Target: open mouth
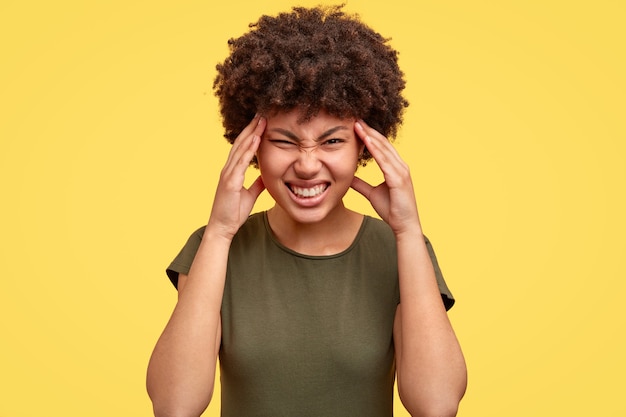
x=308 y=192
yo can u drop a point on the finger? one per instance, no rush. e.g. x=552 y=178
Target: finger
x=257 y=187
x=244 y=148
x=385 y=155
x=251 y=144
x=249 y=129
x=361 y=187
x=240 y=160
x=246 y=134
x=260 y=126
x=233 y=174
x=376 y=142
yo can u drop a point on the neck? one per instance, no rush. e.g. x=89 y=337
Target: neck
x=332 y=235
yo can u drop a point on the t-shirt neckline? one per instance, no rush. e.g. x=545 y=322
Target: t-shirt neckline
x=355 y=241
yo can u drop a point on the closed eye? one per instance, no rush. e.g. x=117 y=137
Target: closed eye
x=334 y=141
x=282 y=142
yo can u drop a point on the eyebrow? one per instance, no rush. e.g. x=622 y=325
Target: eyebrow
x=294 y=137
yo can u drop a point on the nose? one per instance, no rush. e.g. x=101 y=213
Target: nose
x=307 y=165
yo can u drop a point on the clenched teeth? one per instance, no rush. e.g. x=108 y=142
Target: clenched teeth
x=308 y=192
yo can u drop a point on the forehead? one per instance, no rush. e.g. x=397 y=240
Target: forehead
x=292 y=121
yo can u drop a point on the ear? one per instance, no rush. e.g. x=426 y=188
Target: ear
x=361 y=149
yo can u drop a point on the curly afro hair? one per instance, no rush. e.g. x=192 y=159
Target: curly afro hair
x=312 y=59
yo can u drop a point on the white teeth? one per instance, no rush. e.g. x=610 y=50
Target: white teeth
x=308 y=192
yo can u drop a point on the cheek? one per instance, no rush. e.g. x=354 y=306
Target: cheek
x=344 y=164
x=265 y=157
x=272 y=164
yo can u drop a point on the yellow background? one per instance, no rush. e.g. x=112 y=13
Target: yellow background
x=111 y=146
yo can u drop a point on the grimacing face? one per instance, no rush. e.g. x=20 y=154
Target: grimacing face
x=307 y=167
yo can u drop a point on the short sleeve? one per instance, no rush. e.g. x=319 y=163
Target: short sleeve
x=182 y=262
x=446 y=295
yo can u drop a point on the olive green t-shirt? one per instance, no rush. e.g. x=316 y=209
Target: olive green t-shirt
x=307 y=335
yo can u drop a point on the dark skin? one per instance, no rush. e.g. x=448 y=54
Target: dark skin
x=431 y=371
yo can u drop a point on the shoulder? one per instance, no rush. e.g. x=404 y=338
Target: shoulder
x=376 y=228
x=252 y=225
x=377 y=241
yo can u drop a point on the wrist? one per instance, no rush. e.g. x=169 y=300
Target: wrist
x=409 y=232
x=217 y=234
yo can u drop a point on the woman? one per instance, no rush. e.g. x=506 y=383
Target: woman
x=312 y=308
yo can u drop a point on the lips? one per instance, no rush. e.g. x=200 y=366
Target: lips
x=307 y=192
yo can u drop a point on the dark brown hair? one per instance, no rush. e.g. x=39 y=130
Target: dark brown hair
x=311 y=59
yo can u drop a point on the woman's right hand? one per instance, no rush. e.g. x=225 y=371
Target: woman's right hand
x=182 y=367
x=233 y=202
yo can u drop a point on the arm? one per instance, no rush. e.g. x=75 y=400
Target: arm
x=181 y=371
x=430 y=365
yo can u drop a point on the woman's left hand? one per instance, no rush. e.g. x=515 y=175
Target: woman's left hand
x=393 y=199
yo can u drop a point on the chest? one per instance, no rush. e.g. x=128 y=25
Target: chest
x=312 y=316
